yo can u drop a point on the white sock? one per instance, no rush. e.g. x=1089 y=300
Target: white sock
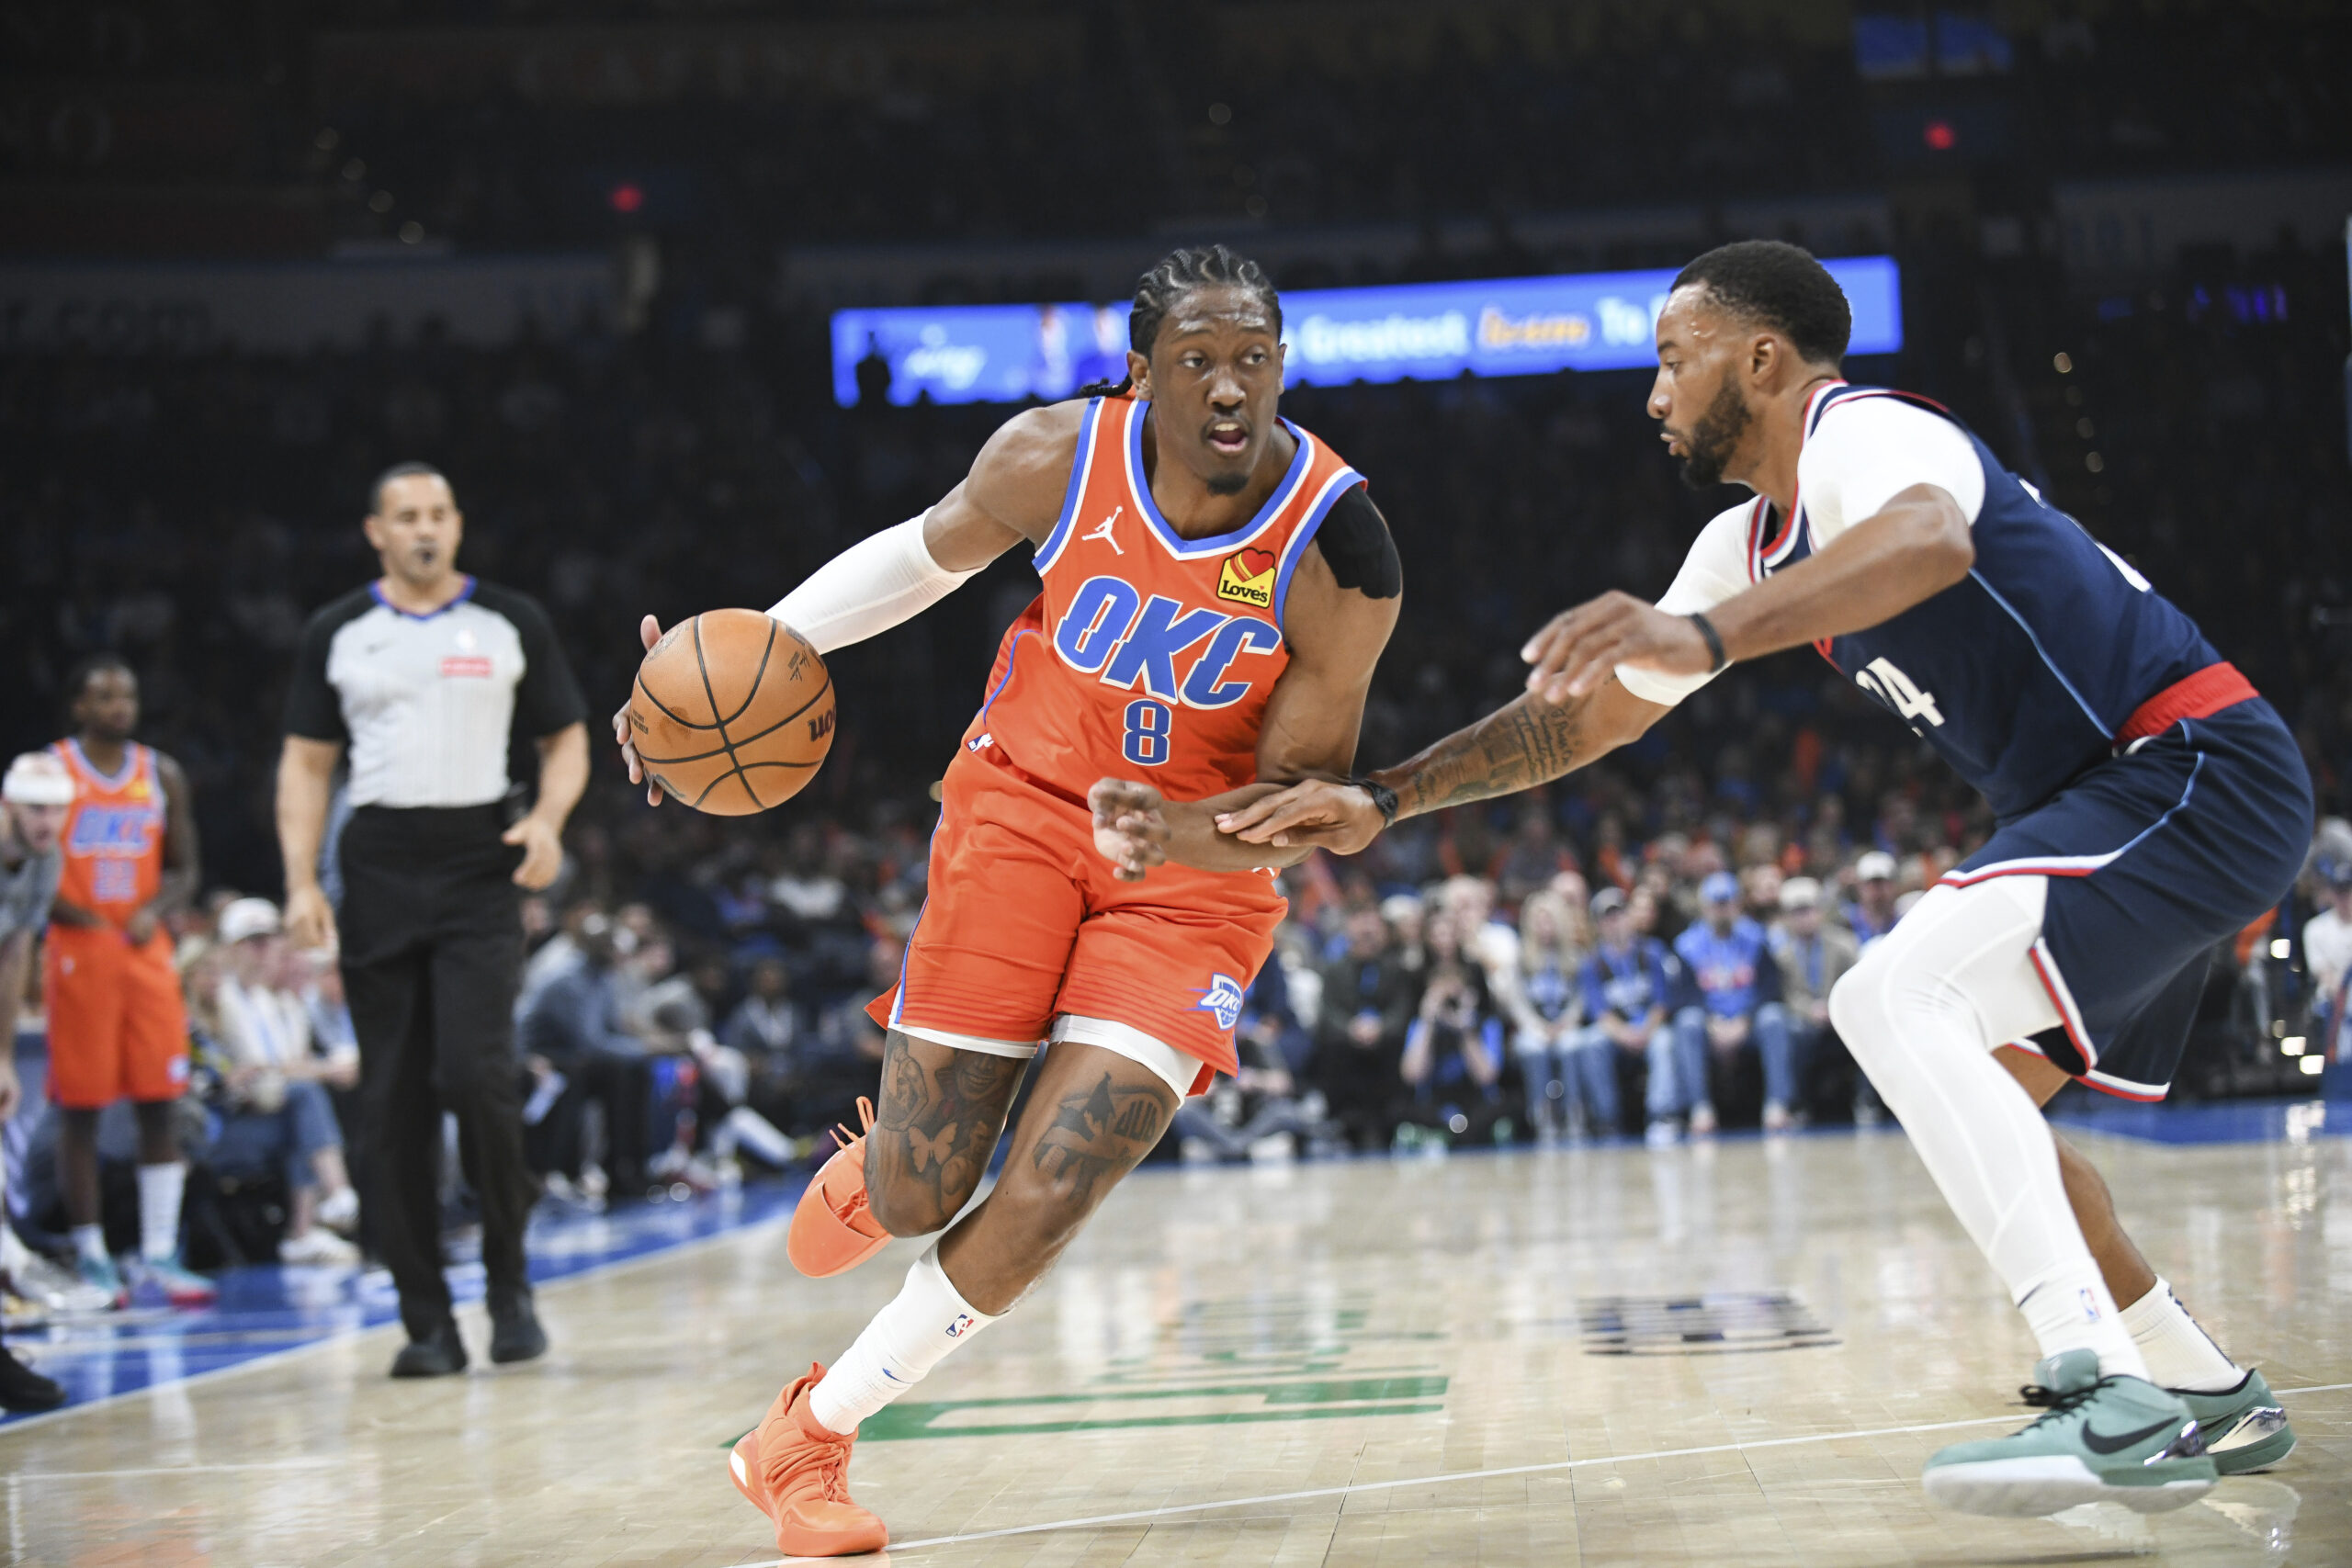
x=1922 y=1014
x=90 y=1242
x=926 y=1320
x=160 y=1186
x=2069 y=1307
x=2179 y=1353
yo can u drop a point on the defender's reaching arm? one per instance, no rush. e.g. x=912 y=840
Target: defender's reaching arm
x=1577 y=707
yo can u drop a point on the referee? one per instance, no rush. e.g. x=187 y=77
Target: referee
x=427 y=677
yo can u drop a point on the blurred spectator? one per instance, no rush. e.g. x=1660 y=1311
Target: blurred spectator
x=1259 y=1111
x=1811 y=954
x=770 y=1032
x=2327 y=955
x=1453 y=1061
x=1368 y=1000
x=1872 y=913
x=844 y=1059
x=1627 y=983
x=272 y=1110
x=1547 y=1017
x=1732 y=1004
x=580 y=1056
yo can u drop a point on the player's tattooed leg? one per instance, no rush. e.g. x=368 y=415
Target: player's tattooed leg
x=1092 y=1117
x=1104 y=1130
x=941 y=1114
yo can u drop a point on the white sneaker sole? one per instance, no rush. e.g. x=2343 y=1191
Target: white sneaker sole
x=2032 y=1488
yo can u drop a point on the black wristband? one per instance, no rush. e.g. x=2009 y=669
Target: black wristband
x=1383 y=797
x=1715 y=641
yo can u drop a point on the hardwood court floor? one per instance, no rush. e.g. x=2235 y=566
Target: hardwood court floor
x=1477 y=1359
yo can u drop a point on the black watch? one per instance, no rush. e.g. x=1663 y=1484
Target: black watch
x=1382 y=796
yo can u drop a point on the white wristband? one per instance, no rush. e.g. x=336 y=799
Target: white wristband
x=869 y=588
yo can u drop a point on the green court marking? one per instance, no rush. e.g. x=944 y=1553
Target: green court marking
x=904 y=1421
x=1338 y=1397
x=1294 y=1402
x=1290 y=1400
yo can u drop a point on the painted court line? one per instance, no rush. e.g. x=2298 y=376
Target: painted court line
x=345 y=1334
x=170 y=1469
x=1453 y=1476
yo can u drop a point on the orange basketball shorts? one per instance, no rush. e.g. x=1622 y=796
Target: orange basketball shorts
x=118 y=1029
x=1025 y=922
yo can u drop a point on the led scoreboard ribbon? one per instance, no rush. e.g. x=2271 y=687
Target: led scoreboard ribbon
x=1429 y=332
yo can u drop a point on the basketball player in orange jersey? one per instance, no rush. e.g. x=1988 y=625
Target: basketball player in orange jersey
x=117 y=1027
x=1218 y=588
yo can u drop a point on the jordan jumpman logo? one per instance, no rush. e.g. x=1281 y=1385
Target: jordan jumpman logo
x=1103 y=531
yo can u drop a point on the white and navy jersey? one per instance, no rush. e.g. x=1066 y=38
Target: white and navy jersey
x=430 y=704
x=2023 y=674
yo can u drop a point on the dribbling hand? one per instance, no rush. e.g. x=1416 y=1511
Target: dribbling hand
x=1130 y=829
x=648 y=631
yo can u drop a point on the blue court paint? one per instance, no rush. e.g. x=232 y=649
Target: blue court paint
x=266 y=1311
x=2228 y=1122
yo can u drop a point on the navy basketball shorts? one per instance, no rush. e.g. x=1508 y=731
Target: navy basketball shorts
x=2155 y=857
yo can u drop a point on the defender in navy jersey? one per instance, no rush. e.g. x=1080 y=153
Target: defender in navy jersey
x=2149 y=805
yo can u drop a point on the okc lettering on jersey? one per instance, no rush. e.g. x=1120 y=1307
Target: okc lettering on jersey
x=114 y=831
x=1113 y=633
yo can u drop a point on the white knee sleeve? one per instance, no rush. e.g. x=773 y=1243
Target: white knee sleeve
x=1922 y=1013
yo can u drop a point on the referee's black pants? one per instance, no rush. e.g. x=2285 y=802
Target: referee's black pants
x=432 y=954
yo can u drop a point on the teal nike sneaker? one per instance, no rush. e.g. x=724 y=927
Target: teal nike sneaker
x=99 y=1274
x=2245 y=1427
x=2103 y=1439
x=172 y=1281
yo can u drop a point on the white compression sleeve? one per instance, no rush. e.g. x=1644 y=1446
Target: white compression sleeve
x=1922 y=1013
x=869 y=588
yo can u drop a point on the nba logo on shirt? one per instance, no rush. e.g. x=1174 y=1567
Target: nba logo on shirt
x=1222 y=1001
x=957 y=1330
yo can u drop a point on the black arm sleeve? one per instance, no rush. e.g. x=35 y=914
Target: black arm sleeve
x=313 y=711
x=549 y=698
x=1355 y=542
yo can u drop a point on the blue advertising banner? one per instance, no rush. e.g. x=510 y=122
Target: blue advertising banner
x=1429 y=332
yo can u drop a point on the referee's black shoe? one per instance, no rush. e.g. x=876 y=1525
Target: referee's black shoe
x=21 y=1388
x=514 y=1331
x=437 y=1355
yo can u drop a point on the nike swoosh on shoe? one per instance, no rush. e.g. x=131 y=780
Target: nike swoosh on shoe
x=2103 y=1443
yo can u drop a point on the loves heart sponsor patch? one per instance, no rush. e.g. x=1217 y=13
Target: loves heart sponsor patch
x=1247 y=577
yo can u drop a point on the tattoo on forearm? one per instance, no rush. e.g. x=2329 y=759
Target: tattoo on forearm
x=1100 y=1131
x=1509 y=750
x=937 y=1126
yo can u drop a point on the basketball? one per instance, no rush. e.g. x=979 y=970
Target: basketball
x=733 y=712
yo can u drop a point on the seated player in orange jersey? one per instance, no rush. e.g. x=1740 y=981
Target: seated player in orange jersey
x=1216 y=590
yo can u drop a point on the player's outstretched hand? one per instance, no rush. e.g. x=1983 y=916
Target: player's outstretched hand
x=648 y=631
x=1130 y=827
x=1573 y=654
x=1336 y=816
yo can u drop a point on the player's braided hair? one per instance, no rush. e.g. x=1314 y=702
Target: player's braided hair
x=1782 y=286
x=1177 y=273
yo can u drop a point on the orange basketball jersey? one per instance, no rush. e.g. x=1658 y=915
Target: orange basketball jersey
x=1150 y=656
x=114 y=833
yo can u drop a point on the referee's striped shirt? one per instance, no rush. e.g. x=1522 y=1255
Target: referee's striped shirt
x=430 y=705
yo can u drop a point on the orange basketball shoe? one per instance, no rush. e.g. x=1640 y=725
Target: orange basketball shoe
x=796 y=1472
x=833 y=1232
